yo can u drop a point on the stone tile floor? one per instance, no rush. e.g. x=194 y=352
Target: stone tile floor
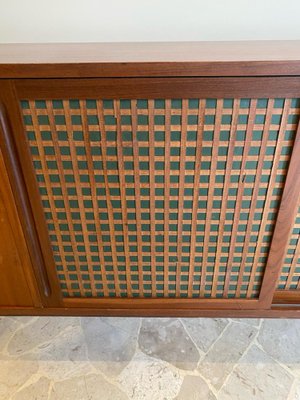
x=62 y=358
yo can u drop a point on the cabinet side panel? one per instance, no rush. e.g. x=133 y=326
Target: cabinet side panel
x=14 y=259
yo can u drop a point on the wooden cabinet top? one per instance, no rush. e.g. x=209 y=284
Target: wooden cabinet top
x=73 y=60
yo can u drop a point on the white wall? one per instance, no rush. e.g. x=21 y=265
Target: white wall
x=147 y=20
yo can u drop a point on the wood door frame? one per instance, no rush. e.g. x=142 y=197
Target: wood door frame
x=15 y=90
x=20 y=170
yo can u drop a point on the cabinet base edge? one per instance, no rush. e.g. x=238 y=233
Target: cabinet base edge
x=279 y=311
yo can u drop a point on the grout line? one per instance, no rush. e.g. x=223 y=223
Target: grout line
x=238 y=362
x=234 y=320
x=202 y=356
x=31 y=380
x=113 y=379
x=201 y=352
x=39 y=346
x=219 y=337
x=284 y=366
x=51 y=384
x=292 y=390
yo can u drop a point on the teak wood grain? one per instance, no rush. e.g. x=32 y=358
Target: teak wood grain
x=20 y=171
x=284 y=224
x=17 y=283
x=85 y=60
x=149 y=71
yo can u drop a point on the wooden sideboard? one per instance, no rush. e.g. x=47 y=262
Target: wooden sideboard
x=156 y=179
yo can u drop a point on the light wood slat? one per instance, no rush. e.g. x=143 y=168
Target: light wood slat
x=294 y=265
x=181 y=192
x=64 y=192
x=167 y=194
x=168 y=187
x=235 y=113
x=137 y=186
x=239 y=198
x=122 y=191
x=48 y=186
x=255 y=191
x=269 y=195
x=289 y=279
x=103 y=147
x=79 y=194
x=152 y=192
x=212 y=174
x=201 y=114
x=94 y=197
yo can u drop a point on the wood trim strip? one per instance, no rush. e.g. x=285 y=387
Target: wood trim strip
x=160 y=88
x=145 y=69
x=181 y=191
x=286 y=297
x=198 y=158
x=277 y=311
x=21 y=196
x=103 y=146
x=167 y=193
x=203 y=58
x=284 y=224
x=123 y=194
x=176 y=303
x=152 y=192
x=137 y=195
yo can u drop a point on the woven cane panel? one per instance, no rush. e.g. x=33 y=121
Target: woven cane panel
x=161 y=198
x=290 y=274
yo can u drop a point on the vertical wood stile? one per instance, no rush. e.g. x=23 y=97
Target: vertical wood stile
x=181 y=192
x=79 y=194
x=123 y=192
x=239 y=197
x=103 y=147
x=167 y=194
x=225 y=193
x=211 y=188
x=198 y=157
x=137 y=188
x=287 y=213
x=152 y=192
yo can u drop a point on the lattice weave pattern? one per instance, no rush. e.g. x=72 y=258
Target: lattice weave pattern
x=160 y=198
x=290 y=274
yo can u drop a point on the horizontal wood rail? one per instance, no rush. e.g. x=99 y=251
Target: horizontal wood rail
x=286 y=297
